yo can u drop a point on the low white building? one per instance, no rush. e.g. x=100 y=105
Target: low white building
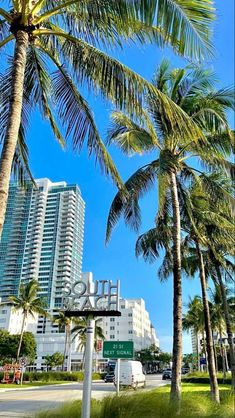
x=133 y=325
x=11 y=320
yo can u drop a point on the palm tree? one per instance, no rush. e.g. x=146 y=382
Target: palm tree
x=218 y=323
x=29 y=303
x=193 y=90
x=194 y=320
x=220 y=248
x=64 y=323
x=64 y=36
x=215 y=232
x=79 y=330
x=202 y=212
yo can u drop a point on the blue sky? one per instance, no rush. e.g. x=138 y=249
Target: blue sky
x=117 y=261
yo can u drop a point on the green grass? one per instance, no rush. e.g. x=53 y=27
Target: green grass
x=196 y=403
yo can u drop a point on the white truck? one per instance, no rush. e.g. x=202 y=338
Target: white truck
x=131 y=374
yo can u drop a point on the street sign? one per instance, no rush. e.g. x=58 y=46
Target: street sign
x=202 y=360
x=118 y=349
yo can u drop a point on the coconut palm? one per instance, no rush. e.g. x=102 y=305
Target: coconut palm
x=202 y=212
x=29 y=303
x=194 y=91
x=79 y=330
x=194 y=320
x=222 y=269
x=56 y=48
x=64 y=323
x=216 y=229
x=218 y=321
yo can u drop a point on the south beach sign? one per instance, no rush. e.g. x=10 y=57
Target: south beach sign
x=102 y=296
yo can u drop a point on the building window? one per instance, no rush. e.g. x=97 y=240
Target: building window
x=112 y=337
x=112 y=319
x=130 y=332
x=130 y=314
x=112 y=328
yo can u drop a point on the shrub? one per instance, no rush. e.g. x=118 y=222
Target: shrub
x=51 y=376
x=200 y=377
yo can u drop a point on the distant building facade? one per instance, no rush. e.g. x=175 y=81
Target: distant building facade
x=133 y=325
x=42 y=238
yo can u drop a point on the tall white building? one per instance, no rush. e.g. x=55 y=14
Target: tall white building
x=42 y=238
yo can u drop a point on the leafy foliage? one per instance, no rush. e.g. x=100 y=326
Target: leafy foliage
x=10 y=342
x=53 y=360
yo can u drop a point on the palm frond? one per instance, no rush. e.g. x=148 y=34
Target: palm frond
x=78 y=120
x=148 y=244
x=126 y=204
x=188 y=23
x=39 y=88
x=129 y=136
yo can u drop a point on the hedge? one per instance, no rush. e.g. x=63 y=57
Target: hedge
x=51 y=376
x=199 y=377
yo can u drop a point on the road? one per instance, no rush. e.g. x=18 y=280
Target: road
x=24 y=402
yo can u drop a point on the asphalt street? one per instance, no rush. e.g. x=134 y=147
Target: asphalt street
x=25 y=402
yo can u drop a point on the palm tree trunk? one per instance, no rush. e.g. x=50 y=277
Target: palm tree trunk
x=69 y=349
x=222 y=355
x=204 y=347
x=209 y=339
x=215 y=354
x=227 y=321
x=226 y=358
x=65 y=348
x=12 y=131
x=177 y=297
x=198 y=354
x=21 y=337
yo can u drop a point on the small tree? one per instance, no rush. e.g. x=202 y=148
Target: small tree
x=10 y=342
x=53 y=360
x=29 y=303
x=164 y=358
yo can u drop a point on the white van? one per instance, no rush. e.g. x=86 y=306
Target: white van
x=131 y=374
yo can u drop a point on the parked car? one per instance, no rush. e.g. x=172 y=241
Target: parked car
x=185 y=370
x=131 y=374
x=109 y=377
x=166 y=375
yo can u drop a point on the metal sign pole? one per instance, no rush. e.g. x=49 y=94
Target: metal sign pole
x=118 y=360
x=118 y=376
x=86 y=396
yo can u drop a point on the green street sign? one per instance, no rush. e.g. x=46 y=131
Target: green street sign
x=118 y=349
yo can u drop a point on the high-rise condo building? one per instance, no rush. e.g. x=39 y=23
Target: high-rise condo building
x=42 y=238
